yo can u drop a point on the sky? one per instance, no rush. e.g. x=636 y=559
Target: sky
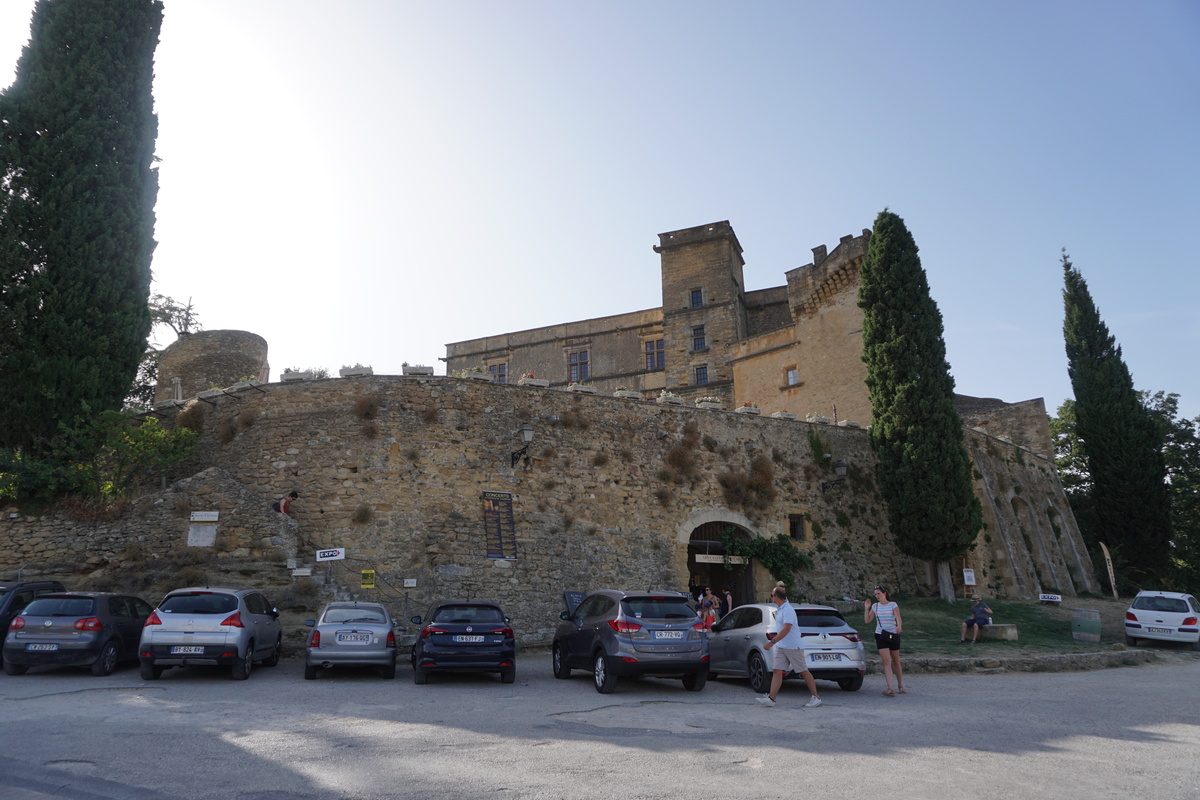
x=365 y=181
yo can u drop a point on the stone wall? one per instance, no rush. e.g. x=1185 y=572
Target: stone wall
x=394 y=469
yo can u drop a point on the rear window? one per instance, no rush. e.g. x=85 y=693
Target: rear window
x=199 y=603
x=1171 y=605
x=467 y=613
x=337 y=616
x=819 y=619
x=658 y=608
x=60 y=607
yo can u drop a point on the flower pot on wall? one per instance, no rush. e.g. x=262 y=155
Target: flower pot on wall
x=416 y=369
x=355 y=372
x=747 y=410
x=712 y=406
x=289 y=377
x=669 y=400
x=627 y=394
x=783 y=415
x=539 y=382
x=581 y=387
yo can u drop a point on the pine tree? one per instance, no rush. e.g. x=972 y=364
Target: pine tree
x=77 y=195
x=924 y=468
x=1121 y=440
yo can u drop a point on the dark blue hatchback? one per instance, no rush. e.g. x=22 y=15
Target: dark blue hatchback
x=464 y=636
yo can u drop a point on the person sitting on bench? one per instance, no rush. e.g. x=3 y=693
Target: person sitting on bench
x=980 y=615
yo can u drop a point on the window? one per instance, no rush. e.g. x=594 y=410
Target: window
x=697 y=298
x=793 y=376
x=698 y=342
x=579 y=366
x=499 y=373
x=797 y=527
x=656 y=357
x=701 y=376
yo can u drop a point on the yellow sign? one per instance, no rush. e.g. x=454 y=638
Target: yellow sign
x=368 y=579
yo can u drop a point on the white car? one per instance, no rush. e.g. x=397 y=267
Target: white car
x=1166 y=616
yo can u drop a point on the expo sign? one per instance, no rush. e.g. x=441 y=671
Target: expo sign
x=332 y=554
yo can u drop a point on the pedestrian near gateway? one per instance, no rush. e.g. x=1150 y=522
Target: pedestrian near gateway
x=789 y=654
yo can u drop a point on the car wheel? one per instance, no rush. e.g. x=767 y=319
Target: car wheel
x=695 y=682
x=760 y=676
x=561 y=670
x=273 y=659
x=106 y=662
x=150 y=671
x=389 y=672
x=1131 y=641
x=310 y=673
x=605 y=680
x=508 y=675
x=850 y=684
x=241 y=669
x=420 y=677
x=14 y=669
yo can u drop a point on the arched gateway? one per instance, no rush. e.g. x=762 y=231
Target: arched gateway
x=706 y=556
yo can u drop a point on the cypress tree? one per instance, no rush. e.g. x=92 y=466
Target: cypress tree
x=924 y=469
x=77 y=196
x=1121 y=441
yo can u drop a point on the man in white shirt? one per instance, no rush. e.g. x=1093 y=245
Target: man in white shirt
x=788 y=651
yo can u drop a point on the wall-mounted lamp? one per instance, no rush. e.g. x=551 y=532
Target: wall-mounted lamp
x=841 y=469
x=526 y=432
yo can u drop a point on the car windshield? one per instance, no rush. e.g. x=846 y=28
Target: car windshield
x=199 y=603
x=468 y=614
x=1172 y=605
x=60 y=607
x=658 y=608
x=819 y=619
x=340 y=615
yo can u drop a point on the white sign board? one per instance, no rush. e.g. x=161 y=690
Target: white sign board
x=332 y=554
x=708 y=558
x=410 y=583
x=205 y=516
x=1050 y=598
x=968 y=577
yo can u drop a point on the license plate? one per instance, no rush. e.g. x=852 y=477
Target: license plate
x=826 y=657
x=354 y=638
x=1159 y=630
x=468 y=639
x=187 y=651
x=668 y=634
x=41 y=647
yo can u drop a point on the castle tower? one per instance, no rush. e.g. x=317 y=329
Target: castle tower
x=703 y=308
x=208 y=359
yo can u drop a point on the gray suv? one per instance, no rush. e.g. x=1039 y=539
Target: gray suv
x=210 y=625
x=614 y=633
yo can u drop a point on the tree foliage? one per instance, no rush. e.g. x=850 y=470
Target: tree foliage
x=165 y=312
x=1128 y=507
x=77 y=194
x=925 y=471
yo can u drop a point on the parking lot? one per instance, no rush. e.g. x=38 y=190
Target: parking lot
x=197 y=734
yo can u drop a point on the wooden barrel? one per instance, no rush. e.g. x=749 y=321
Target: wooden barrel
x=1085 y=625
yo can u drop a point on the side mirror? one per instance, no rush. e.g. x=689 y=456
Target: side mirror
x=415 y=620
x=564 y=615
x=312 y=623
x=275 y=613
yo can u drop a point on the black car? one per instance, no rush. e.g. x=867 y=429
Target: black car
x=464 y=636
x=15 y=595
x=76 y=629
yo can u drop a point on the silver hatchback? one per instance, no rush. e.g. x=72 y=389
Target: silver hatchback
x=614 y=633
x=351 y=634
x=832 y=648
x=211 y=625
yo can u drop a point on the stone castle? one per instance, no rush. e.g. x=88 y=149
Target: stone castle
x=519 y=491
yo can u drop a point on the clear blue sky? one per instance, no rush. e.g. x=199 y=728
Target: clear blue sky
x=367 y=180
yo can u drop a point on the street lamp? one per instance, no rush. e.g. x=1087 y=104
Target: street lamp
x=841 y=469
x=526 y=432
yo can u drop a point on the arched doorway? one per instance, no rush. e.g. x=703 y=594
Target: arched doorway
x=706 y=564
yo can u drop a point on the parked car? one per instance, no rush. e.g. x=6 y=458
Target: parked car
x=1166 y=616
x=351 y=634
x=464 y=636
x=76 y=629
x=833 y=650
x=614 y=633
x=15 y=595
x=207 y=625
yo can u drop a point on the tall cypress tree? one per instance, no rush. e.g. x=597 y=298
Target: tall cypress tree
x=924 y=469
x=77 y=195
x=1121 y=441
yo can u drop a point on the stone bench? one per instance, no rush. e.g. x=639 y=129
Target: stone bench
x=1002 y=632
